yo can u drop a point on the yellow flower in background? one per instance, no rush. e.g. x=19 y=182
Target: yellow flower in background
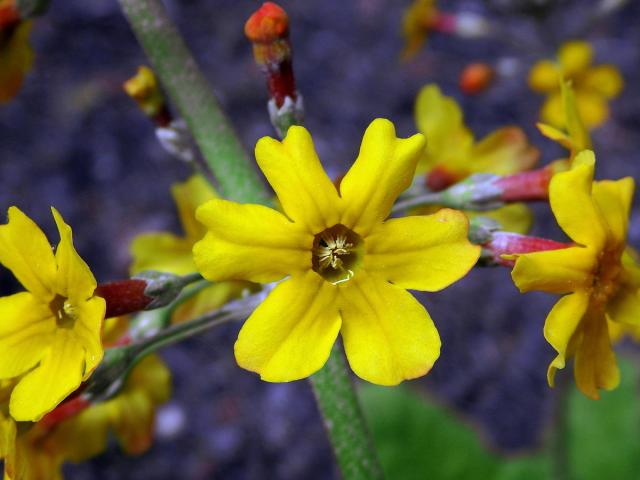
x=16 y=55
x=347 y=267
x=451 y=145
x=417 y=21
x=574 y=136
x=49 y=334
x=452 y=154
x=598 y=277
x=38 y=452
x=167 y=252
x=595 y=85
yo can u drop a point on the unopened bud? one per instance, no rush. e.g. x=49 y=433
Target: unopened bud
x=9 y=14
x=268 y=31
x=475 y=78
x=145 y=90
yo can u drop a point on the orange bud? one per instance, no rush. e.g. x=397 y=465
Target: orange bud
x=475 y=78
x=267 y=24
x=9 y=14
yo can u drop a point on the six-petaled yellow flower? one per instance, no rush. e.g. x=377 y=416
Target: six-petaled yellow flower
x=598 y=277
x=594 y=86
x=50 y=334
x=347 y=266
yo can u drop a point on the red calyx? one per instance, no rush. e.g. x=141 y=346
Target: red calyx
x=440 y=178
x=123 y=296
x=526 y=187
x=506 y=243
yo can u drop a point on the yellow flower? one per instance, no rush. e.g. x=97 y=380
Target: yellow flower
x=38 y=451
x=598 y=277
x=418 y=20
x=16 y=55
x=594 y=85
x=347 y=267
x=166 y=252
x=50 y=334
x=452 y=154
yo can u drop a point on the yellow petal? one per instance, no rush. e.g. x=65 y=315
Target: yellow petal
x=249 y=242
x=164 y=252
x=290 y=335
x=26 y=330
x=561 y=325
x=575 y=57
x=552 y=111
x=514 y=217
x=74 y=278
x=189 y=195
x=555 y=134
x=59 y=374
x=27 y=253
x=554 y=271
x=595 y=365
x=440 y=119
x=415 y=25
x=605 y=79
x=624 y=307
x=7 y=437
x=573 y=206
x=82 y=436
x=388 y=336
x=503 y=152
x=543 y=76
x=383 y=170
x=613 y=198
x=16 y=59
x=87 y=329
x=292 y=167
x=422 y=252
x=593 y=108
x=575 y=125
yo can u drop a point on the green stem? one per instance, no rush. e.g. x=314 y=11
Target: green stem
x=344 y=421
x=559 y=452
x=423 y=200
x=189 y=90
x=238 y=180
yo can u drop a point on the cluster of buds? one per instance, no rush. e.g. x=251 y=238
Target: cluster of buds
x=268 y=31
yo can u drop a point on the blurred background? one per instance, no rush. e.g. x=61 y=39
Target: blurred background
x=74 y=140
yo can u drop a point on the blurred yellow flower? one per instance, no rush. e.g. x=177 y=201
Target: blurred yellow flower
x=452 y=154
x=417 y=21
x=38 y=452
x=347 y=267
x=167 y=252
x=16 y=57
x=594 y=85
x=598 y=277
x=49 y=334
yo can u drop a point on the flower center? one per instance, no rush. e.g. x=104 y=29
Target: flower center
x=64 y=312
x=605 y=280
x=337 y=251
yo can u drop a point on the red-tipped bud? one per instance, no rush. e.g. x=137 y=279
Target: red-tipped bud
x=526 y=186
x=476 y=78
x=506 y=243
x=268 y=30
x=268 y=24
x=67 y=409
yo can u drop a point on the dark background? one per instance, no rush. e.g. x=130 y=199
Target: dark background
x=72 y=139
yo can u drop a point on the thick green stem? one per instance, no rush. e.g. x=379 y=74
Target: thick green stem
x=344 y=421
x=189 y=90
x=238 y=180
